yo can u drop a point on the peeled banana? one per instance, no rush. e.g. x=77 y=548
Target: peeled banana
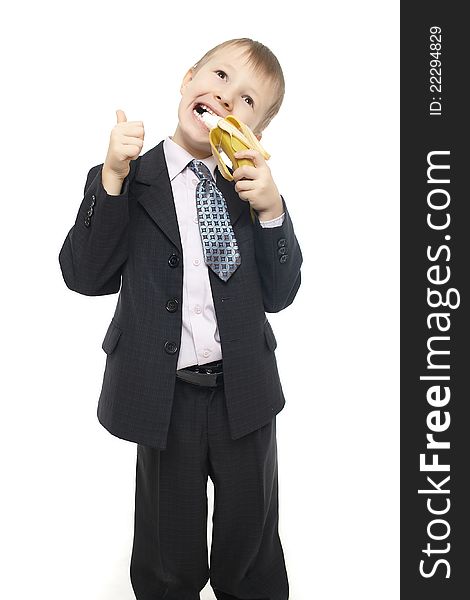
x=231 y=135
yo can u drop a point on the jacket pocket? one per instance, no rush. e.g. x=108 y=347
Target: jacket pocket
x=270 y=337
x=112 y=337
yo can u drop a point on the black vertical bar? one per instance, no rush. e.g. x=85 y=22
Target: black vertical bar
x=434 y=260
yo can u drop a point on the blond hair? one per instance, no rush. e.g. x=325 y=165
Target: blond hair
x=263 y=61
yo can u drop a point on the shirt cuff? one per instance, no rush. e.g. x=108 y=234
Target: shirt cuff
x=277 y=222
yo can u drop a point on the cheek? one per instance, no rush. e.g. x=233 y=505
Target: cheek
x=182 y=113
x=246 y=115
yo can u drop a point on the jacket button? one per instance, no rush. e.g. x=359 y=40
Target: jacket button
x=283 y=258
x=87 y=222
x=282 y=250
x=174 y=260
x=172 y=305
x=171 y=347
x=90 y=211
x=281 y=242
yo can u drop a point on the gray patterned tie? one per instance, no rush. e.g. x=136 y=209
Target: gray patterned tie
x=219 y=245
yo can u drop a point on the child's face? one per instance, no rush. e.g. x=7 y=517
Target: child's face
x=226 y=85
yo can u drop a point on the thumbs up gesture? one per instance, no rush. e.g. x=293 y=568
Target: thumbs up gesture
x=125 y=144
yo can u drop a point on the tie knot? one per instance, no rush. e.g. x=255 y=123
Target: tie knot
x=200 y=169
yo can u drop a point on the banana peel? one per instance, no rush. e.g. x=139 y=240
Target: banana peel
x=231 y=135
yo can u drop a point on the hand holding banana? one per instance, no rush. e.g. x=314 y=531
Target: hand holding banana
x=254 y=182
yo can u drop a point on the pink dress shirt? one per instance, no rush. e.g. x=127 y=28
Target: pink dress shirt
x=200 y=340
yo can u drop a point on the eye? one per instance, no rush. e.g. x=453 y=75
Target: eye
x=250 y=99
x=219 y=71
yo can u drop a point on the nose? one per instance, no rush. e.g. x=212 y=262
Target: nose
x=226 y=101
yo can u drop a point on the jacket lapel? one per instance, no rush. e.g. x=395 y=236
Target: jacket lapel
x=157 y=196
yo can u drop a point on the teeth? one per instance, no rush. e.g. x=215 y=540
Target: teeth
x=208 y=109
x=210 y=119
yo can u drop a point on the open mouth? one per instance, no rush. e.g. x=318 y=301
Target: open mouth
x=200 y=109
x=206 y=116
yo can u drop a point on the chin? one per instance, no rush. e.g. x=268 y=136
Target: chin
x=197 y=140
x=198 y=143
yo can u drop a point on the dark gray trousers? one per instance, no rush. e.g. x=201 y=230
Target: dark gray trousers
x=169 y=555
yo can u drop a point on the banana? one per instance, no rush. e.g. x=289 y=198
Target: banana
x=231 y=135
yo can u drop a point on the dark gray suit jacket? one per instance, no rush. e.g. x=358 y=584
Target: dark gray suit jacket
x=131 y=243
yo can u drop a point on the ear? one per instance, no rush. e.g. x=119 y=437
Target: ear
x=186 y=79
x=258 y=136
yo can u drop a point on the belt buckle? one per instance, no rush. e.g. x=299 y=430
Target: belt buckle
x=201 y=377
x=206 y=370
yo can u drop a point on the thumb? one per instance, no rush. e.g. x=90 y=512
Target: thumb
x=121 y=116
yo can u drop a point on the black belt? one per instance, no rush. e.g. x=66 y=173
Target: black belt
x=208 y=374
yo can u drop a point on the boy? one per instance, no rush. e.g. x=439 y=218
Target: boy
x=191 y=374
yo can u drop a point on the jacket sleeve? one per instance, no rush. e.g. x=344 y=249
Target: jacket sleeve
x=96 y=248
x=279 y=259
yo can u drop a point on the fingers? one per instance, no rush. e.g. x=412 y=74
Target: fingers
x=131 y=151
x=121 y=116
x=131 y=129
x=245 y=172
x=244 y=185
x=137 y=141
x=254 y=155
x=125 y=144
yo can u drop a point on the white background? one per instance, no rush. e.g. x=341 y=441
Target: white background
x=68 y=485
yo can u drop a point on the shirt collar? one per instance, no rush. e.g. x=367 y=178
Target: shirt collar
x=177 y=158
